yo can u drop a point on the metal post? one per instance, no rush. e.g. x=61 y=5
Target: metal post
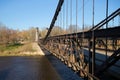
x=93 y=53
x=119 y=20
x=90 y=55
x=106 y=26
x=93 y=44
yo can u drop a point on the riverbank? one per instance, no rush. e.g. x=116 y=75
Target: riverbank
x=26 y=49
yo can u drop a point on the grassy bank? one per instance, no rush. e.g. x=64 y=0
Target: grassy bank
x=9 y=47
x=16 y=49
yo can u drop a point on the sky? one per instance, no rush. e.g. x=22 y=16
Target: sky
x=99 y=11
x=23 y=14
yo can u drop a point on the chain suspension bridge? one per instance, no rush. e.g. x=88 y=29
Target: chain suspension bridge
x=93 y=52
x=81 y=43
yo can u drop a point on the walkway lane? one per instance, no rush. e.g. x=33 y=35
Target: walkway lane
x=64 y=72
x=27 y=68
x=41 y=67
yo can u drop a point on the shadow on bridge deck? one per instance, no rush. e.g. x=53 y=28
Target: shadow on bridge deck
x=44 y=67
x=64 y=72
x=27 y=68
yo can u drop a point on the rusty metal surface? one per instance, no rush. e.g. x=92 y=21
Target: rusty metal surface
x=69 y=49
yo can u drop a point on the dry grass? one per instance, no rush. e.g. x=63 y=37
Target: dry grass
x=20 y=50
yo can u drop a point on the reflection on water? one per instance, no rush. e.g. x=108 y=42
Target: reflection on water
x=27 y=68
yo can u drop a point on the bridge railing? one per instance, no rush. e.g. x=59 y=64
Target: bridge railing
x=84 y=51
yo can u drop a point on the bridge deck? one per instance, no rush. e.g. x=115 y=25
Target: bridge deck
x=35 y=68
x=64 y=72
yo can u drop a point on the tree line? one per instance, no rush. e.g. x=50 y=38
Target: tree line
x=57 y=30
x=11 y=36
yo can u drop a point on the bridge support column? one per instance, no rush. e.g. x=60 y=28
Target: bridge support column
x=37 y=34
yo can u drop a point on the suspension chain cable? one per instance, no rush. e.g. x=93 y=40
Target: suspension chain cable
x=71 y=15
x=83 y=25
x=106 y=13
x=66 y=15
x=63 y=17
x=76 y=16
x=93 y=15
x=76 y=20
x=70 y=12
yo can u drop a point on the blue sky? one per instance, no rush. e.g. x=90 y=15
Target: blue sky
x=23 y=14
x=100 y=11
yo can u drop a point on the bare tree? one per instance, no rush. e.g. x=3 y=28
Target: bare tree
x=57 y=31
